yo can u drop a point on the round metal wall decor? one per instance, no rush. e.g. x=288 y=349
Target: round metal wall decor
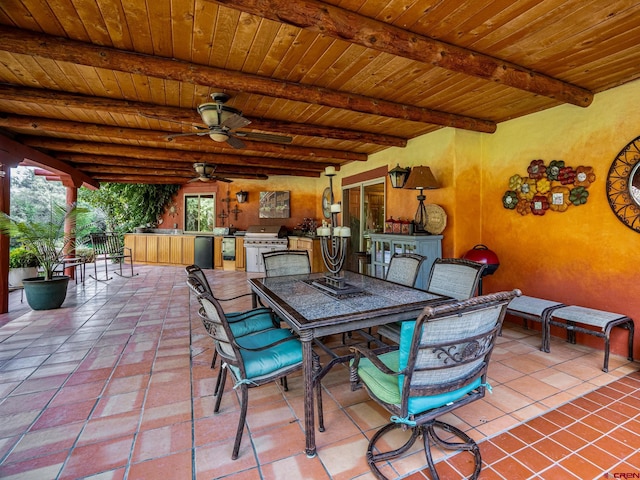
x=623 y=185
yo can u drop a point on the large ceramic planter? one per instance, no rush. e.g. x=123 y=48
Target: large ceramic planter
x=46 y=294
x=17 y=275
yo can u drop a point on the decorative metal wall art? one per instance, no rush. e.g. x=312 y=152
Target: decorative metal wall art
x=554 y=187
x=623 y=185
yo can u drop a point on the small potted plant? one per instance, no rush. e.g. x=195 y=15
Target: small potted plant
x=48 y=241
x=23 y=263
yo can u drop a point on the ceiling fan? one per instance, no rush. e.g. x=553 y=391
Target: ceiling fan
x=222 y=121
x=205 y=173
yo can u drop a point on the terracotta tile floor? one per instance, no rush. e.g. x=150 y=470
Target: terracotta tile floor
x=117 y=384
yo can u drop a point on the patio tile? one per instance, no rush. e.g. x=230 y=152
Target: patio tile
x=132 y=403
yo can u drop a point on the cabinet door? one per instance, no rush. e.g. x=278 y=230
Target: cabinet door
x=217 y=253
x=188 y=250
x=176 y=250
x=152 y=249
x=164 y=249
x=240 y=254
x=140 y=249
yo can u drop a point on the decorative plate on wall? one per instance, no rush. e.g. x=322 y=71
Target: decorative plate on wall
x=326 y=203
x=436 y=219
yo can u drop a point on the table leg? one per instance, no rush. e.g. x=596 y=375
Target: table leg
x=308 y=374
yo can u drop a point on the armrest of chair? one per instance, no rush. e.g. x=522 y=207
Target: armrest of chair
x=359 y=352
x=233 y=298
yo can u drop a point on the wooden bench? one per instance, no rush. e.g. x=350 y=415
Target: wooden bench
x=573 y=319
x=535 y=309
x=108 y=247
x=569 y=318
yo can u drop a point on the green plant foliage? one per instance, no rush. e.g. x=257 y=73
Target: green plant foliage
x=22 y=257
x=127 y=206
x=45 y=235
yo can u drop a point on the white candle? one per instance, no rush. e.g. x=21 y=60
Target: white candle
x=323 y=231
x=330 y=171
x=345 y=232
x=335 y=208
x=337 y=231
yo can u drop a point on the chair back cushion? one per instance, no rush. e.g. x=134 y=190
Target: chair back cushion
x=455 y=277
x=447 y=347
x=404 y=268
x=286 y=262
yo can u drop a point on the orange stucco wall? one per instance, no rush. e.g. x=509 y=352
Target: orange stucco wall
x=584 y=256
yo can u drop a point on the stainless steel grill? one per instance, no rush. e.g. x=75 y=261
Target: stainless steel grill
x=260 y=239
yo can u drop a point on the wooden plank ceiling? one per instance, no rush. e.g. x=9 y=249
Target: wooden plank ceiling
x=99 y=85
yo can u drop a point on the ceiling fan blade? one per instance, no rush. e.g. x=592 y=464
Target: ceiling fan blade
x=194 y=180
x=234 y=120
x=200 y=134
x=265 y=137
x=235 y=142
x=221 y=179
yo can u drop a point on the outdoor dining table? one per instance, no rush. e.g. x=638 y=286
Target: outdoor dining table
x=312 y=312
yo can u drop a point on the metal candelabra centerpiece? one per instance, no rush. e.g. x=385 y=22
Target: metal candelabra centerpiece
x=333 y=240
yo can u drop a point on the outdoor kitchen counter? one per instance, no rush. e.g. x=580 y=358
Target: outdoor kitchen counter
x=161 y=248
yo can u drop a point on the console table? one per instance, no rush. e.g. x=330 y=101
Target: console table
x=384 y=245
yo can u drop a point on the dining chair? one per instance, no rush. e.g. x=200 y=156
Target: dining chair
x=404 y=268
x=252 y=360
x=286 y=262
x=196 y=271
x=242 y=323
x=440 y=365
x=452 y=277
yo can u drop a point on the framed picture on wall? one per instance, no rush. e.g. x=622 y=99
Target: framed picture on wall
x=274 y=204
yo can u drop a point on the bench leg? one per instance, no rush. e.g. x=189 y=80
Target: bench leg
x=630 y=327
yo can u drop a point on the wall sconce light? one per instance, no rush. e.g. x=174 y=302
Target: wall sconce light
x=398 y=176
x=421 y=178
x=242 y=196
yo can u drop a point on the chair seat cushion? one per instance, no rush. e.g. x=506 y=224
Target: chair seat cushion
x=269 y=361
x=385 y=387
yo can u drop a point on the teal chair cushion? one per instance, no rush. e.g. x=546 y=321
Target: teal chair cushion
x=249 y=323
x=267 y=362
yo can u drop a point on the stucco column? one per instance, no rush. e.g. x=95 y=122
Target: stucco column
x=69 y=227
x=5 y=204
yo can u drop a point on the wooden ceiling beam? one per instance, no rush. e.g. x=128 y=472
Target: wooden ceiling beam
x=352 y=27
x=15 y=150
x=63 y=49
x=181 y=156
x=179 y=172
x=186 y=115
x=278 y=168
x=44 y=126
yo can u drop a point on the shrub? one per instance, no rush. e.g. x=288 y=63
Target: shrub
x=22 y=257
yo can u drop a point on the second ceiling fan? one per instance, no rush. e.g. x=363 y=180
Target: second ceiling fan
x=222 y=121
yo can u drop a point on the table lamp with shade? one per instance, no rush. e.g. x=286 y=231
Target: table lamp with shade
x=421 y=179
